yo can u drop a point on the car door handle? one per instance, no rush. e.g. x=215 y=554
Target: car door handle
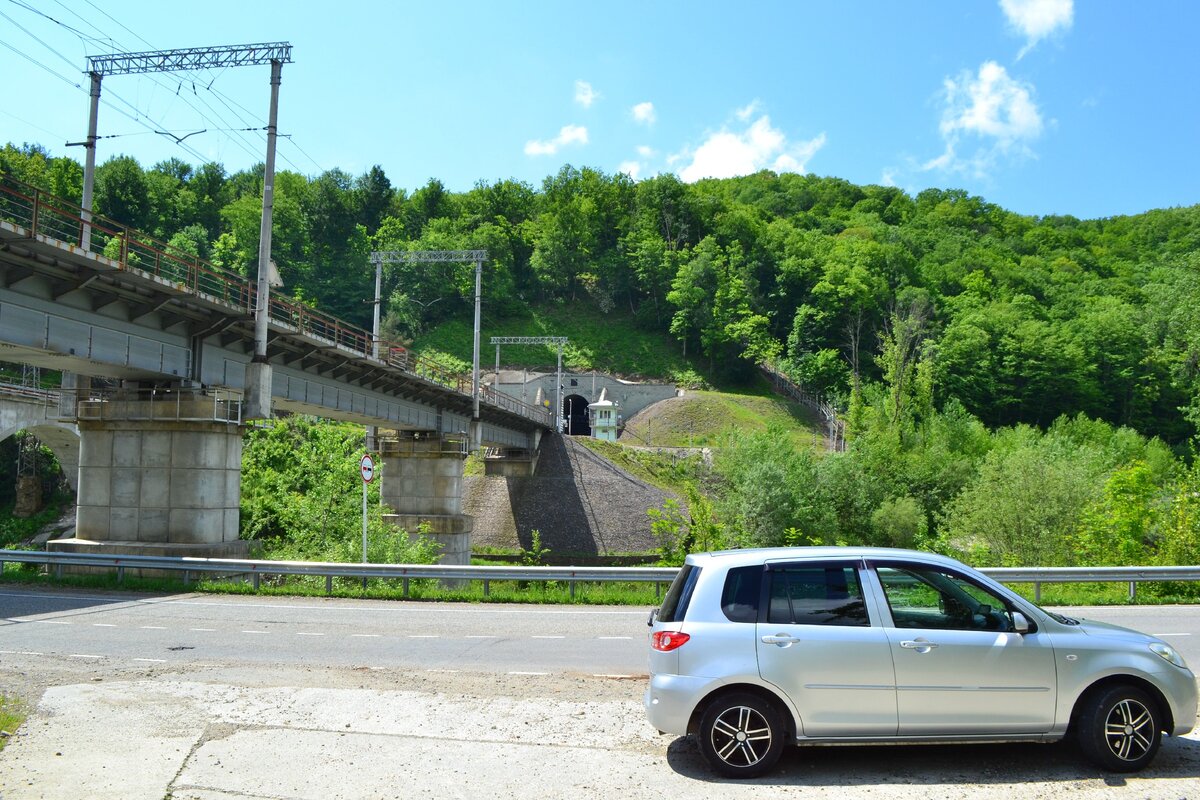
x=781 y=639
x=920 y=645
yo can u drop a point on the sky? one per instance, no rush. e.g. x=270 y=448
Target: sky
x=1042 y=106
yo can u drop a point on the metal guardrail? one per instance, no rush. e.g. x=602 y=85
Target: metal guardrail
x=39 y=213
x=570 y=575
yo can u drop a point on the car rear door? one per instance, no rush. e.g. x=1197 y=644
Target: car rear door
x=961 y=668
x=816 y=642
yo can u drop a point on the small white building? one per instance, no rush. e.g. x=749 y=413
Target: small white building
x=603 y=414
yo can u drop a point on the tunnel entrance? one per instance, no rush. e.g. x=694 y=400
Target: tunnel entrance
x=575 y=416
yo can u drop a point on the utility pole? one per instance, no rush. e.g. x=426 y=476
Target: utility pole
x=557 y=340
x=380 y=257
x=191 y=58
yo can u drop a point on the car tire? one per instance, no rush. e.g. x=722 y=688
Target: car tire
x=741 y=735
x=1119 y=728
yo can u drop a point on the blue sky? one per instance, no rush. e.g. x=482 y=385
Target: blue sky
x=1042 y=106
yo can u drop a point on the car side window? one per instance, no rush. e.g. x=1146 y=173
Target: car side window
x=740 y=595
x=928 y=597
x=816 y=594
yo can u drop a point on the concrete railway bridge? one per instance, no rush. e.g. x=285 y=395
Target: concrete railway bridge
x=158 y=445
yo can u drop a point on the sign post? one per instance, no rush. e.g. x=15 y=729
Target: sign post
x=366 y=467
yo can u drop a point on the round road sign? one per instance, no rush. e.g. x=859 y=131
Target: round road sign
x=367 y=467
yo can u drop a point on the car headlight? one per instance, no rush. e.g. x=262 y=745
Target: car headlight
x=1168 y=654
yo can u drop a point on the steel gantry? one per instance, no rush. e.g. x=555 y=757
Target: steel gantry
x=381 y=257
x=558 y=340
x=258 y=384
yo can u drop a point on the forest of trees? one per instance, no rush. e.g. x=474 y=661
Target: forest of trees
x=974 y=351
x=1020 y=319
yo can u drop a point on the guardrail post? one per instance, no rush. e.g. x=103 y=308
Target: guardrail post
x=487 y=585
x=58 y=572
x=1132 y=591
x=571 y=583
x=406 y=588
x=1037 y=592
x=328 y=584
x=120 y=574
x=256 y=581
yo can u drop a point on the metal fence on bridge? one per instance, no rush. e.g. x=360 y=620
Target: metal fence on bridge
x=37 y=213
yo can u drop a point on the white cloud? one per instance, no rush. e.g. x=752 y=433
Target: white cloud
x=1037 y=19
x=644 y=113
x=645 y=151
x=630 y=168
x=728 y=153
x=570 y=134
x=585 y=95
x=990 y=112
x=746 y=112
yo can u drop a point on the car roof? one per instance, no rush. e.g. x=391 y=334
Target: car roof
x=738 y=558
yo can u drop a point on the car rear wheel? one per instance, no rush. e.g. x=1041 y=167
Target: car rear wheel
x=1119 y=728
x=741 y=735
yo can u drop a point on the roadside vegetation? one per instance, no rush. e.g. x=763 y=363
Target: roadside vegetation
x=12 y=714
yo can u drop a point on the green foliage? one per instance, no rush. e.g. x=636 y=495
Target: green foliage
x=302 y=497
x=12 y=714
x=535 y=555
x=680 y=532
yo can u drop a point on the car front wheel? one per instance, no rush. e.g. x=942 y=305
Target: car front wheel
x=1119 y=728
x=741 y=735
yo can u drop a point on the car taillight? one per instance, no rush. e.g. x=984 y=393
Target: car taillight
x=666 y=641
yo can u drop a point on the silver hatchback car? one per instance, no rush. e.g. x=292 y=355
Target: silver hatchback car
x=753 y=649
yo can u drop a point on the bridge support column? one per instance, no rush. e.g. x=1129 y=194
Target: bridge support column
x=159 y=476
x=422 y=483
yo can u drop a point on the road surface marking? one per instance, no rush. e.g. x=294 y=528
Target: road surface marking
x=262 y=632
x=52 y=621
x=303 y=633
x=152 y=660
x=528 y=673
x=103 y=625
x=203 y=630
x=80 y=655
x=548 y=637
x=367 y=635
x=1161 y=635
x=610 y=675
x=152 y=627
x=31 y=653
x=480 y=636
x=423 y=636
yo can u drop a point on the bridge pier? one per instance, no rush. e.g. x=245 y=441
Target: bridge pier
x=422 y=483
x=158 y=475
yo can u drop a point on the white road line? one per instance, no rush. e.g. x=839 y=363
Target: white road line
x=152 y=627
x=1163 y=635
x=262 y=632
x=52 y=621
x=103 y=625
x=152 y=660
x=31 y=653
x=548 y=637
x=367 y=635
x=80 y=655
x=423 y=636
x=479 y=636
x=613 y=638
x=609 y=675
x=8 y=652
x=303 y=633
x=203 y=630
x=528 y=673
x=446 y=671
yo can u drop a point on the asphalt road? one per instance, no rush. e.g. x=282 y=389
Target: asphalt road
x=201 y=697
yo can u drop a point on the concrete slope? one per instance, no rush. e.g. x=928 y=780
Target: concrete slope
x=581 y=502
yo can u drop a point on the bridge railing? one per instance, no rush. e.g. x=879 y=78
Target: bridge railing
x=191 y=567
x=44 y=214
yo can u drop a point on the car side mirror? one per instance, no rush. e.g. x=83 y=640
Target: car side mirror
x=653 y=615
x=1020 y=623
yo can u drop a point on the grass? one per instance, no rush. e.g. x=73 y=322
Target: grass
x=657 y=469
x=12 y=714
x=703 y=418
x=612 y=343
